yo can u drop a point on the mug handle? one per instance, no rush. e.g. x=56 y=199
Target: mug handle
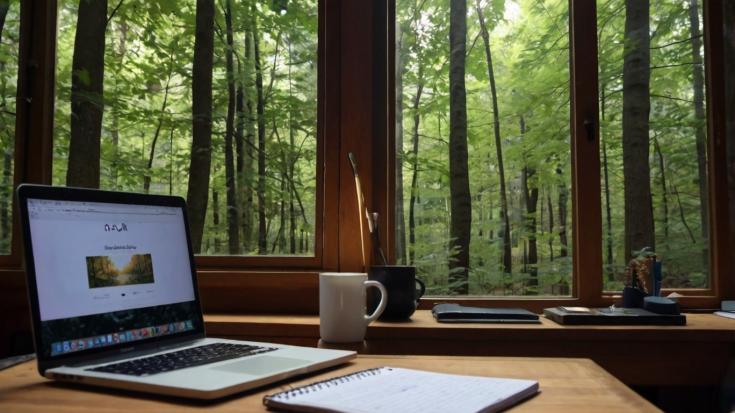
x=383 y=300
x=423 y=290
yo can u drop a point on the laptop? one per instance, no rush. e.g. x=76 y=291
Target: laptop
x=114 y=300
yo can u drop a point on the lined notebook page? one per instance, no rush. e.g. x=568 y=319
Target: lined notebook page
x=391 y=389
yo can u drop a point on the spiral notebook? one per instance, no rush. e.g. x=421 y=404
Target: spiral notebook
x=392 y=389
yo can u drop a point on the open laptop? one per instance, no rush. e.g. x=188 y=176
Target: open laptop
x=114 y=300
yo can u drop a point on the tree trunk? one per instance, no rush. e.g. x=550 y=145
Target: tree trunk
x=459 y=182
x=201 y=147
x=233 y=213
x=530 y=193
x=639 y=232
x=248 y=145
x=507 y=259
x=4 y=7
x=157 y=133
x=215 y=220
x=608 y=213
x=281 y=237
x=240 y=149
x=119 y=52
x=664 y=197
x=675 y=192
x=414 y=166
x=5 y=217
x=562 y=209
x=550 y=207
x=171 y=155
x=400 y=213
x=700 y=124
x=87 y=101
x=260 y=108
x=291 y=163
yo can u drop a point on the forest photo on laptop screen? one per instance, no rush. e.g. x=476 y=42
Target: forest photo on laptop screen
x=498 y=220
x=131 y=74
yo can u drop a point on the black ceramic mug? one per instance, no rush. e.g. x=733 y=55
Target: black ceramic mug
x=404 y=290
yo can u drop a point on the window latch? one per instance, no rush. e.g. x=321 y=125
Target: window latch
x=589 y=127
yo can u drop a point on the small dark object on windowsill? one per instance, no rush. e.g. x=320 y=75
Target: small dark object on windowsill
x=661 y=305
x=633 y=297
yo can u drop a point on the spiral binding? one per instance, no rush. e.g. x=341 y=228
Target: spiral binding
x=324 y=384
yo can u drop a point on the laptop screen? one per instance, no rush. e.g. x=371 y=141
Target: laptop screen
x=110 y=274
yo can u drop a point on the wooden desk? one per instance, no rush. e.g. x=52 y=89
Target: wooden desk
x=693 y=355
x=567 y=385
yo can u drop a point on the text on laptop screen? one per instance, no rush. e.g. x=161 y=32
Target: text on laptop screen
x=106 y=268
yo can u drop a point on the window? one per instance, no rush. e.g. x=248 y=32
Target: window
x=513 y=156
x=127 y=76
x=350 y=80
x=484 y=128
x=654 y=139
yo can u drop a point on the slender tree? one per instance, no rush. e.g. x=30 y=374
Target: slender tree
x=562 y=210
x=664 y=197
x=400 y=233
x=260 y=109
x=233 y=215
x=550 y=207
x=5 y=190
x=415 y=165
x=157 y=133
x=507 y=261
x=700 y=124
x=4 y=7
x=530 y=195
x=215 y=220
x=639 y=230
x=459 y=185
x=87 y=101
x=249 y=143
x=201 y=147
x=606 y=189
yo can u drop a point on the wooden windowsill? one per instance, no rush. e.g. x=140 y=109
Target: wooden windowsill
x=695 y=354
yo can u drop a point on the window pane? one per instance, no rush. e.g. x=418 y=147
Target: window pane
x=126 y=77
x=516 y=216
x=9 y=36
x=653 y=133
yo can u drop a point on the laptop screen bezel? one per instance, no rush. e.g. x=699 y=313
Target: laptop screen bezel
x=30 y=191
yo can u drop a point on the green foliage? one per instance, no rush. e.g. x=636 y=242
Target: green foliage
x=149 y=48
x=9 y=47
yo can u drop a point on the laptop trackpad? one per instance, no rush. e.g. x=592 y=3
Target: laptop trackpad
x=263 y=365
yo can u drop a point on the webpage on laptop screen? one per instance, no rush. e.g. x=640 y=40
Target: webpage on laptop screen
x=103 y=268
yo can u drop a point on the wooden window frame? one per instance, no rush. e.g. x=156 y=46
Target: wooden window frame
x=356 y=61
x=587 y=285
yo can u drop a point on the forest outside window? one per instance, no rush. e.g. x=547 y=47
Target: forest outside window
x=484 y=196
x=483 y=146
x=137 y=83
x=654 y=139
x=9 y=46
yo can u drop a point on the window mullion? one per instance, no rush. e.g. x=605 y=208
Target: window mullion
x=586 y=215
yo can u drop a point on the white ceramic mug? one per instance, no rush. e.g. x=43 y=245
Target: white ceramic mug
x=342 y=306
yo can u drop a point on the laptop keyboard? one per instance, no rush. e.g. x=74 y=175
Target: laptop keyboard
x=190 y=357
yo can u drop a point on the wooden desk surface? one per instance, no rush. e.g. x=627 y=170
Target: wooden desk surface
x=567 y=385
x=695 y=354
